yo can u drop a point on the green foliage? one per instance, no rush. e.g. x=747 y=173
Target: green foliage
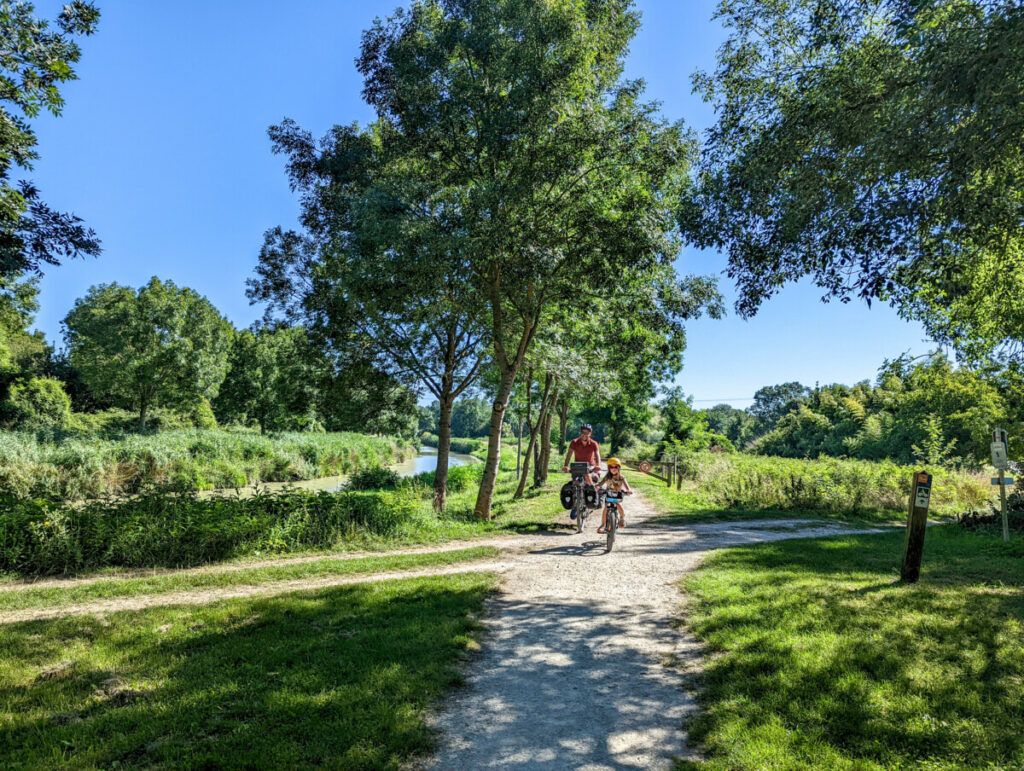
x=848 y=487
x=686 y=429
x=926 y=410
x=180 y=529
x=458 y=444
x=772 y=402
x=338 y=677
x=819 y=659
x=872 y=147
x=373 y=479
x=272 y=381
x=158 y=346
x=738 y=426
x=36 y=403
x=34 y=61
x=65 y=466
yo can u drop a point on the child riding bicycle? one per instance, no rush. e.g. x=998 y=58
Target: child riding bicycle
x=614 y=482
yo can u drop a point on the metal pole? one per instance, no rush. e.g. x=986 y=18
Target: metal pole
x=1002 y=505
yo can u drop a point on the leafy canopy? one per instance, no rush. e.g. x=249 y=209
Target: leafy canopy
x=34 y=61
x=159 y=346
x=875 y=148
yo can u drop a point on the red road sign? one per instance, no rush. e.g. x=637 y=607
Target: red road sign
x=645 y=466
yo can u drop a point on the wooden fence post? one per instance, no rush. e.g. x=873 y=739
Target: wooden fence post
x=917 y=523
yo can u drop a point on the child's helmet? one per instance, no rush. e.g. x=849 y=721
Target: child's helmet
x=614 y=462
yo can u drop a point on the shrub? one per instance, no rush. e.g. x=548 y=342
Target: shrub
x=161 y=528
x=37 y=402
x=373 y=479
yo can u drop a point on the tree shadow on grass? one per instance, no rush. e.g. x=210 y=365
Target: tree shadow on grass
x=337 y=677
x=816 y=641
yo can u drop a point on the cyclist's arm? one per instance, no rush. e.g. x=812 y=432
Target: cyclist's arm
x=567 y=456
x=626 y=483
x=597 y=457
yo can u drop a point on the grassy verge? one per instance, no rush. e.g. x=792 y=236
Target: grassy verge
x=848 y=487
x=78 y=467
x=338 y=678
x=679 y=507
x=24 y=597
x=818 y=658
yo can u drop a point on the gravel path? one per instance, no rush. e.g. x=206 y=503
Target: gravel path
x=573 y=671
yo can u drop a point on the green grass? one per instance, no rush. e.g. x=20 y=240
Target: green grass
x=819 y=658
x=336 y=678
x=77 y=467
x=21 y=597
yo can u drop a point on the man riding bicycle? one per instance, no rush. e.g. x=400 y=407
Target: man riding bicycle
x=584 y=448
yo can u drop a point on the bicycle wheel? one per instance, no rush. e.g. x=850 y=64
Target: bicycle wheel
x=610 y=528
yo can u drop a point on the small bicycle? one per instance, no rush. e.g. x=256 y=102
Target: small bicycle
x=611 y=516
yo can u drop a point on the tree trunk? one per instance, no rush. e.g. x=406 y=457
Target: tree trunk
x=484 y=497
x=532 y=447
x=563 y=425
x=540 y=469
x=143 y=409
x=444 y=443
x=540 y=476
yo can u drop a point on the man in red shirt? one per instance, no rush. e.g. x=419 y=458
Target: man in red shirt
x=584 y=448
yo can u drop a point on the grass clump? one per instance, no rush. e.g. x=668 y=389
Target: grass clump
x=76 y=467
x=727 y=485
x=338 y=677
x=819 y=658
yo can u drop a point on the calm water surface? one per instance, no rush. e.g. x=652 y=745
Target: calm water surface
x=426 y=460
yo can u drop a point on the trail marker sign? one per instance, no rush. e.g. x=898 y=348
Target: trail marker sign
x=917 y=523
x=645 y=466
x=999 y=459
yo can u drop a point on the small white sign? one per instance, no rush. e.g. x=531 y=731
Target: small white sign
x=922 y=496
x=999 y=455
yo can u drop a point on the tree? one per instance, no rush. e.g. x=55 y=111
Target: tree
x=273 y=380
x=738 y=425
x=874 y=147
x=36 y=402
x=772 y=402
x=158 y=346
x=34 y=61
x=380 y=261
x=557 y=179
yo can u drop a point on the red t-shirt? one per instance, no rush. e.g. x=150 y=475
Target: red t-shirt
x=585 y=451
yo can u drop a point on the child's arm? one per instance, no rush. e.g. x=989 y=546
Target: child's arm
x=626 y=483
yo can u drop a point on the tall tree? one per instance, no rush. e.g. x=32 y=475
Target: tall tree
x=34 y=61
x=875 y=148
x=273 y=380
x=772 y=402
x=158 y=346
x=561 y=181
x=378 y=261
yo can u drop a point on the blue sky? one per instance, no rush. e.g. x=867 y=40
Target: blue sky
x=162 y=149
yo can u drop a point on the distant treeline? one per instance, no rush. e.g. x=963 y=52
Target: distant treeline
x=164 y=356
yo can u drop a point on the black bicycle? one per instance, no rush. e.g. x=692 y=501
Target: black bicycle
x=611 y=516
x=581 y=471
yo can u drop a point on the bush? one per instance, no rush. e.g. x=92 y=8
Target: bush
x=36 y=403
x=164 y=529
x=373 y=479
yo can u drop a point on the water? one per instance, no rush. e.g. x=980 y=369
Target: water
x=426 y=460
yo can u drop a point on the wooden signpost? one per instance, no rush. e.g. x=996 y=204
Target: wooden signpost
x=917 y=523
x=1000 y=460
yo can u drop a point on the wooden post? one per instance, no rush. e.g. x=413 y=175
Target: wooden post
x=679 y=479
x=668 y=474
x=1002 y=504
x=917 y=523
